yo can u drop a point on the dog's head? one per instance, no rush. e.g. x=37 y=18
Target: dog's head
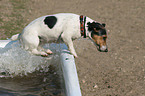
x=98 y=35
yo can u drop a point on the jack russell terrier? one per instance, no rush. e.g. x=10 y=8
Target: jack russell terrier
x=65 y=26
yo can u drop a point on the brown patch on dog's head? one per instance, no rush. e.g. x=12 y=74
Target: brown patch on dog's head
x=98 y=35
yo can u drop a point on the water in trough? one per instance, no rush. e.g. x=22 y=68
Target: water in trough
x=23 y=74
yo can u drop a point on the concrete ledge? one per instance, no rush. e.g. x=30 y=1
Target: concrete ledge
x=72 y=87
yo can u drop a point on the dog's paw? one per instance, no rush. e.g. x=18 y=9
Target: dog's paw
x=49 y=52
x=44 y=54
x=76 y=56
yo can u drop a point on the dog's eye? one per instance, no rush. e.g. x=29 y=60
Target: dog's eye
x=104 y=38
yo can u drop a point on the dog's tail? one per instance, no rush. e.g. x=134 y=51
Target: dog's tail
x=15 y=37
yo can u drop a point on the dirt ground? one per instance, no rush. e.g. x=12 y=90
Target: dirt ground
x=119 y=72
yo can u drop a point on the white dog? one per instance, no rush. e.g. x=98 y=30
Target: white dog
x=65 y=26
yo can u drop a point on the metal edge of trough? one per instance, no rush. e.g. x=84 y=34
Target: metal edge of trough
x=72 y=87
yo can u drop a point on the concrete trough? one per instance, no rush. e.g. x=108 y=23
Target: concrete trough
x=71 y=82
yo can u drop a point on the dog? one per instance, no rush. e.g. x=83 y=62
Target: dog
x=65 y=26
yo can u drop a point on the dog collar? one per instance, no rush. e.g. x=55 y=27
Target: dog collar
x=82 y=25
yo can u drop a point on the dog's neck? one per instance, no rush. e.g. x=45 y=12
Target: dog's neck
x=84 y=27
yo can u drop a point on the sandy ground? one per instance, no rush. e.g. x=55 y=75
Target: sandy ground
x=121 y=71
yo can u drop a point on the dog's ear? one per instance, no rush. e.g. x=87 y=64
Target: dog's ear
x=91 y=26
x=103 y=24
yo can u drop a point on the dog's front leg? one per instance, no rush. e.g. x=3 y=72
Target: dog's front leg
x=69 y=43
x=71 y=48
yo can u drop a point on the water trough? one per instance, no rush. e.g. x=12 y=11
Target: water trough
x=68 y=67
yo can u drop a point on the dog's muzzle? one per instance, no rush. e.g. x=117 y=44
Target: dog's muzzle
x=102 y=49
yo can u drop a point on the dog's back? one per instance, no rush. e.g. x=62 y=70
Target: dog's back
x=64 y=21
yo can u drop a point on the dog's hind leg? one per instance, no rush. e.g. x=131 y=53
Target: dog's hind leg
x=40 y=46
x=31 y=43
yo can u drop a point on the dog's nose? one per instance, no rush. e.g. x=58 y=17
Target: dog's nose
x=106 y=50
x=103 y=49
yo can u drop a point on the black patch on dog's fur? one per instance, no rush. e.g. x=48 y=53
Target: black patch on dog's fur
x=50 y=21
